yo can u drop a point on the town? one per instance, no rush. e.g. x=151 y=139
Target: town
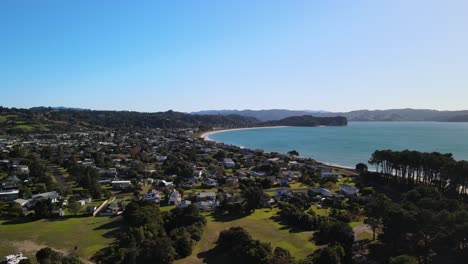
x=96 y=173
x=79 y=197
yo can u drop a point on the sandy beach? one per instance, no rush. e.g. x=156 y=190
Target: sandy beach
x=206 y=135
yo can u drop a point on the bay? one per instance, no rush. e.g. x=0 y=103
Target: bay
x=349 y=145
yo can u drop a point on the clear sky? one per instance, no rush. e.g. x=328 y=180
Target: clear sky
x=193 y=55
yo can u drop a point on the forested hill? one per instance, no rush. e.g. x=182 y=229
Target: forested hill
x=308 y=120
x=17 y=121
x=42 y=119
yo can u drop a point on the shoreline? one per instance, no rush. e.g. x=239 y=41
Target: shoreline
x=206 y=136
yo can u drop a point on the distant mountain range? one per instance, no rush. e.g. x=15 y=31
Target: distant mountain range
x=359 y=115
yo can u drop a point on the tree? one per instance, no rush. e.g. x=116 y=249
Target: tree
x=331 y=254
x=74 y=207
x=293 y=153
x=281 y=256
x=47 y=255
x=403 y=259
x=43 y=208
x=252 y=195
x=375 y=211
x=361 y=167
x=339 y=232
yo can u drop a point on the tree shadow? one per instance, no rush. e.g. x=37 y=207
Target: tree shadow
x=110 y=225
x=286 y=226
x=22 y=220
x=212 y=256
x=227 y=217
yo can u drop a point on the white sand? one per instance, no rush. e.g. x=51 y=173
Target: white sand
x=206 y=135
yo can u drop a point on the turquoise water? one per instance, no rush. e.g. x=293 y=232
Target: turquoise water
x=354 y=143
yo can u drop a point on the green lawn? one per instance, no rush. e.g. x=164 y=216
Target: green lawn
x=89 y=234
x=261 y=227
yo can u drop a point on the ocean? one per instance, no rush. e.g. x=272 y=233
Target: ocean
x=349 y=145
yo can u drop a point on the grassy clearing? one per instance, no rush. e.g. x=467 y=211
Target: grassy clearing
x=261 y=227
x=24 y=127
x=4 y=118
x=320 y=211
x=89 y=234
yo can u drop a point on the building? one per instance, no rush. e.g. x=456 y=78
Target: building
x=281 y=192
x=153 y=196
x=184 y=204
x=206 y=196
x=52 y=196
x=120 y=185
x=175 y=198
x=229 y=163
x=9 y=195
x=347 y=189
x=323 y=192
x=210 y=183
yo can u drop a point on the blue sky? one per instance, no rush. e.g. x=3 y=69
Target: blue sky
x=193 y=55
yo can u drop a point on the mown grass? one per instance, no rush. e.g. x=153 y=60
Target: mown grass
x=88 y=234
x=262 y=227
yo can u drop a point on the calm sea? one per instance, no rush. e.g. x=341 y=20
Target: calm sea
x=354 y=143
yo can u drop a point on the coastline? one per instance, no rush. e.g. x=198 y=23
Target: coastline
x=206 y=135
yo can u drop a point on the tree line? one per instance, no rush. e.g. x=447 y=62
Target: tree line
x=431 y=169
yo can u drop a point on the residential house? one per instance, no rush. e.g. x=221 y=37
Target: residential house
x=52 y=196
x=9 y=195
x=349 y=190
x=10 y=183
x=206 y=206
x=232 y=181
x=282 y=192
x=175 y=198
x=209 y=183
x=323 y=192
x=184 y=204
x=229 y=163
x=165 y=184
x=121 y=185
x=283 y=182
x=206 y=196
x=153 y=196
x=111 y=209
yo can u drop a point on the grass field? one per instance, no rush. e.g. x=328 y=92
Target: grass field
x=261 y=227
x=89 y=234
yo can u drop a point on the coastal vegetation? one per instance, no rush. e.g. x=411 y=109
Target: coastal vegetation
x=413 y=167
x=42 y=119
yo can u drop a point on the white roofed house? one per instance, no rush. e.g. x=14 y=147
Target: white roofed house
x=349 y=190
x=9 y=195
x=175 y=198
x=229 y=163
x=120 y=185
